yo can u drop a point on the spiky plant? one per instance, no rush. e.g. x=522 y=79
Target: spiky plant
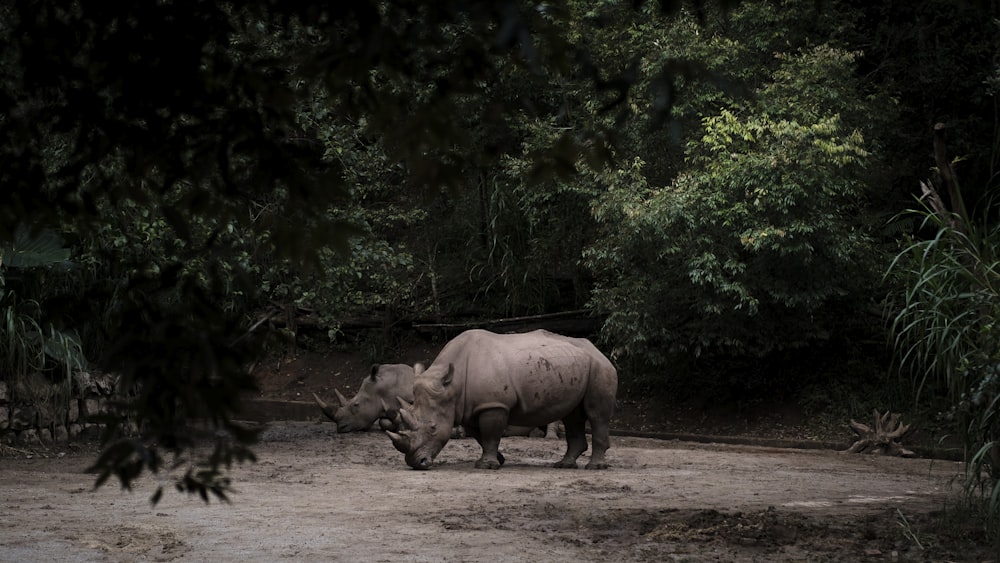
x=947 y=336
x=27 y=348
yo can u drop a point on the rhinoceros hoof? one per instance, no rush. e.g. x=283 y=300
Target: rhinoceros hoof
x=598 y=465
x=488 y=464
x=564 y=464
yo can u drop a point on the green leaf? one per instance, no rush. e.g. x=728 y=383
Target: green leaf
x=33 y=249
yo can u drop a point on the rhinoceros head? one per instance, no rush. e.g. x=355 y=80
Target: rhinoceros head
x=428 y=421
x=384 y=383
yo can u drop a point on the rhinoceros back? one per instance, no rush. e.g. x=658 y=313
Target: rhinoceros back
x=538 y=377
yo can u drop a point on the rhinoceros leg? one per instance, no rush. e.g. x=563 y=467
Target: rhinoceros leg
x=599 y=435
x=599 y=410
x=492 y=423
x=576 y=438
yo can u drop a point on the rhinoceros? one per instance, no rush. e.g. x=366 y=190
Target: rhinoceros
x=485 y=381
x=376 y=400
x=380 y=388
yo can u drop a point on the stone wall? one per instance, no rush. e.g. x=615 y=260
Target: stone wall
x=41 y=421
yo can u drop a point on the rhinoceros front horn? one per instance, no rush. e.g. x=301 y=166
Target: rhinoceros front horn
x=400 y=441
x=329 y=412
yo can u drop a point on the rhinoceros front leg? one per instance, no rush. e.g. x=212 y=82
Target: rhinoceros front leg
x=492 y=423
x=576 y=439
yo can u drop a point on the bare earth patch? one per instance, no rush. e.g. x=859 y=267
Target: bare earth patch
x=317 y=495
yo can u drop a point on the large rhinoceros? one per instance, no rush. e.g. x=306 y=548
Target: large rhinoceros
x=376 y=400
x=485 y=381
x=380 y=388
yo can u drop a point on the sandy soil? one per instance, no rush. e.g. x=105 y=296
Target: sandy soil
x=316 y=495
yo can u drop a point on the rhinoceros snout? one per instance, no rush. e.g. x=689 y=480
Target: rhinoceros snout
x=422 y=464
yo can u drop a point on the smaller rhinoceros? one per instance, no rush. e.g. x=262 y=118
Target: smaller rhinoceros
x=376 y=398
x=484 y=381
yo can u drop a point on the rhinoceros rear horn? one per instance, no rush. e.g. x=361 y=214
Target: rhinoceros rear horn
x=404 y=403
x=400 y=441
x=340 y=397
x=329 y=412
x=389 y=420
x=408 y=418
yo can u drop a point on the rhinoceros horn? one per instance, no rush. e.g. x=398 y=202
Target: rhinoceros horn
x=400 y=441
x=386 y=421
x=404 y=403
x=329 y=412
x=343 y=400
x=408 y=418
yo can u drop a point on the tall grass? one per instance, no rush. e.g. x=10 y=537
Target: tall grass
x=19 y=350
x=28 y=351
x=947 y=338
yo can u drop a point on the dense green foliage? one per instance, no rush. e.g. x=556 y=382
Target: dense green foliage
x=711 y=180
x=748 y=249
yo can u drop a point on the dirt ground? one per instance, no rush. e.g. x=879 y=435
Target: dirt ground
x=315 y=495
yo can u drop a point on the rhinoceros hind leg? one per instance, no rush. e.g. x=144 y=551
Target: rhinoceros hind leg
x=600 y=432
x=600 y=437
x=576 y=439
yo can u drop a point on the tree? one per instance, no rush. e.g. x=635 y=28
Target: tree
x=760 y=241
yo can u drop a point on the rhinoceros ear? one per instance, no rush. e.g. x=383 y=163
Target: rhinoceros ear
x=374 y=371
x=449 y=375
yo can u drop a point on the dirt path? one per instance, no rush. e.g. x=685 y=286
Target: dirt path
x=316 y=495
